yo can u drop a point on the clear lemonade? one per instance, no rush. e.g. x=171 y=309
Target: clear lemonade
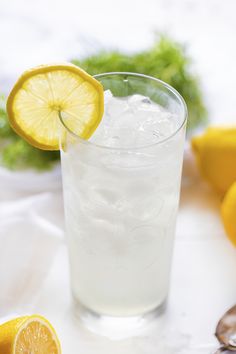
x=121 y=192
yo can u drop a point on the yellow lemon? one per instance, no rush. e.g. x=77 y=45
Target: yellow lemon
x=228 y=213
x=28 y=334
x=39 y=95
x=215 y=152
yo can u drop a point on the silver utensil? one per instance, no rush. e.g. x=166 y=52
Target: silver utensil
x=226 y=331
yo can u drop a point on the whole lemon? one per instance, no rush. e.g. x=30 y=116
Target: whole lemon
x=228 y=213
x=215 y=152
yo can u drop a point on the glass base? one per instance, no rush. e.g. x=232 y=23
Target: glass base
x=115 y=327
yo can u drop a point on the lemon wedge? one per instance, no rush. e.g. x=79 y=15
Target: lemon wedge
x=28 y=334
x=39 y=95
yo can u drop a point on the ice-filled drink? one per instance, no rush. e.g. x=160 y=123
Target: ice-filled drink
x=121 y=194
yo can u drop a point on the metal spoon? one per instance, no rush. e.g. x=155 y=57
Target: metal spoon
x=226 y=331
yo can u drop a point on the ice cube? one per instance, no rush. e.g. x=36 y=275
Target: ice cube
x=147 y=208
x=107 y=96
x=133 y=121
x=143 y=104
x=145 y=111
x=158 y=125
x=116 y=107
x=137 y=100
x=97 y=237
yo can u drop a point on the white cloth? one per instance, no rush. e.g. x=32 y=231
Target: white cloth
x=31 y=230
x=34 y=274
x=28 y=246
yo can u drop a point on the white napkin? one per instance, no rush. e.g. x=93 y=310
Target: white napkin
x=29 y=240
x=30 y=181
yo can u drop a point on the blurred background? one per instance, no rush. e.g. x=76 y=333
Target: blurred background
x=187 y=43
x=35 y=32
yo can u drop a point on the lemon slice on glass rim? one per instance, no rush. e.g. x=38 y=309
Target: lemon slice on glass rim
x=41 y=93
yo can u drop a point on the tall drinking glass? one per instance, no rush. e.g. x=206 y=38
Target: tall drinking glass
x=121 y=194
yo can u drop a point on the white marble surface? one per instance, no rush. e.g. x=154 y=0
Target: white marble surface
x=203 y=282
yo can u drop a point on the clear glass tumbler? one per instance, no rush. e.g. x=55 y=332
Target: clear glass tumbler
x=121 y=195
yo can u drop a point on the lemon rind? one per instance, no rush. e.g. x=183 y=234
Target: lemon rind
x=43 y=69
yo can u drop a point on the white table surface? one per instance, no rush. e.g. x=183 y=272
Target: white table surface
x=203 y=284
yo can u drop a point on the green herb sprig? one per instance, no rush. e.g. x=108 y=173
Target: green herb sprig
x=166 y=60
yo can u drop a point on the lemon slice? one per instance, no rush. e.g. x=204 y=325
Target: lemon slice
x=28 y=334
x=39 y=95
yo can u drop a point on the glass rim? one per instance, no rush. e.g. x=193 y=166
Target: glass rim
x=165 y=139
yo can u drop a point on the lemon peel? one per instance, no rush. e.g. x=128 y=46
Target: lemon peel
x=228 y=213
x=215 y=152
x=28 y=334
x=42 y=92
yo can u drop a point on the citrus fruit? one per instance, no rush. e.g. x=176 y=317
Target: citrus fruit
x=28 y=334
x=39 y=95
x=215 y=152
x=228 y=213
